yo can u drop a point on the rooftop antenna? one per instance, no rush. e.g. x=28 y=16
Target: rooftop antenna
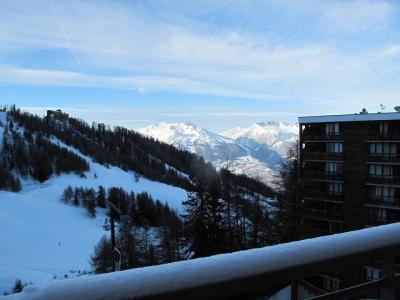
x=383 y=107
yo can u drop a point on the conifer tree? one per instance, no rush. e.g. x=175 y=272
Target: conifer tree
x=102 y=259
x=288 y=222
x=101 y=197
x=127 y=244
x=68 y=194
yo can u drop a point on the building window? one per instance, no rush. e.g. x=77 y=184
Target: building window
x=384 y=128
x=383 y=149
x=335 y=227
x=385 y=192
x=376 y=213
x=335 y=188
x=334 y=147
x=332 y=129
x=333 y=167
x=381 y=170
x=330 y=283
x=372 y=273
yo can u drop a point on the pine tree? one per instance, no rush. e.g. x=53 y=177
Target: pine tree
x=18 y=286
x=90 y=202
x=76 y=197
x=202 y=219
x=68 y=194
x=101 y=197
x=288 y=222
x=102 y=259
x=127 y=244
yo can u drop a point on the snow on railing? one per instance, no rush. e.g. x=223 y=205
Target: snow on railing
x=245 y=272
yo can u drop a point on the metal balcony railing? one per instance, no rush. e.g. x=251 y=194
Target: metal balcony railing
x=384 y=157
x=321 y=138
x=320 y=195
x=384 y=202
x=322 y=214
x=320 y=175
x=322 y=155
x=242 y=275
x=378 y=221
x=384 y=137
x=383 y=179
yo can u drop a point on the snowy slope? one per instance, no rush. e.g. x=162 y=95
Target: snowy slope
x=34 y=221
x=241 y=155
x=276 y=135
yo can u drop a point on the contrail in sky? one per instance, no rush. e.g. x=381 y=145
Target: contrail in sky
x=67 y=40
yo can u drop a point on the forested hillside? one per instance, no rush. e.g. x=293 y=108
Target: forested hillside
x=129 y=150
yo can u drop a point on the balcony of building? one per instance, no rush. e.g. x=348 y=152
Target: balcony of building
x=383 y=179
x=329 y=211
x=317 y=195
x=323 y=171
x=324 y=192
x=384 y=131
x=380 y=215
x=384 y=157
x=321 y=132
x=322 y=151
x=322 y=156
x=383 y=202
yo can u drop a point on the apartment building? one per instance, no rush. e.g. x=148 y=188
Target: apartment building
x=351 y=166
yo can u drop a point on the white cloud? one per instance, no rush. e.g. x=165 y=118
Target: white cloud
x=141 y=84
x=357 y=15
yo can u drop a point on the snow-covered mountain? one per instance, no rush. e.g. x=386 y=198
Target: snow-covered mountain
x=276 y=135
x=255 y=151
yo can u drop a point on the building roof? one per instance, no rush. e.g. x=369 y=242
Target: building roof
x=350 y=118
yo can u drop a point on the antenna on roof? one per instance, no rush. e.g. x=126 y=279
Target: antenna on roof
x=383 y=107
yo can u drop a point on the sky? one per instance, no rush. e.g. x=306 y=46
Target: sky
x=218 y=64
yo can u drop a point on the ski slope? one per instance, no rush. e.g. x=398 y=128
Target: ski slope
x=41 y=237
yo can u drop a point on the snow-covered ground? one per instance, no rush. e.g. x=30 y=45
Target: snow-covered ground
x=41 y=237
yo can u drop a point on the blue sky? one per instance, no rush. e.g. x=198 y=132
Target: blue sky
x=218 y=64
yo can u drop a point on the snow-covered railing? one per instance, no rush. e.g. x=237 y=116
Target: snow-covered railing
x=250 y=273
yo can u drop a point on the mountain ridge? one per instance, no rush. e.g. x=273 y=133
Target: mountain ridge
x=256 y=151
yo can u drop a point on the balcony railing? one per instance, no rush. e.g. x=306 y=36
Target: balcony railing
x=242 y=275
x=384 y=137
x=322 y=214
x=384 y=157
x=322 y=155
x=383 y=179
x=319 y=175
x=384 y=202
x=377 y=221
x=320 y=195
x=321 y=138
